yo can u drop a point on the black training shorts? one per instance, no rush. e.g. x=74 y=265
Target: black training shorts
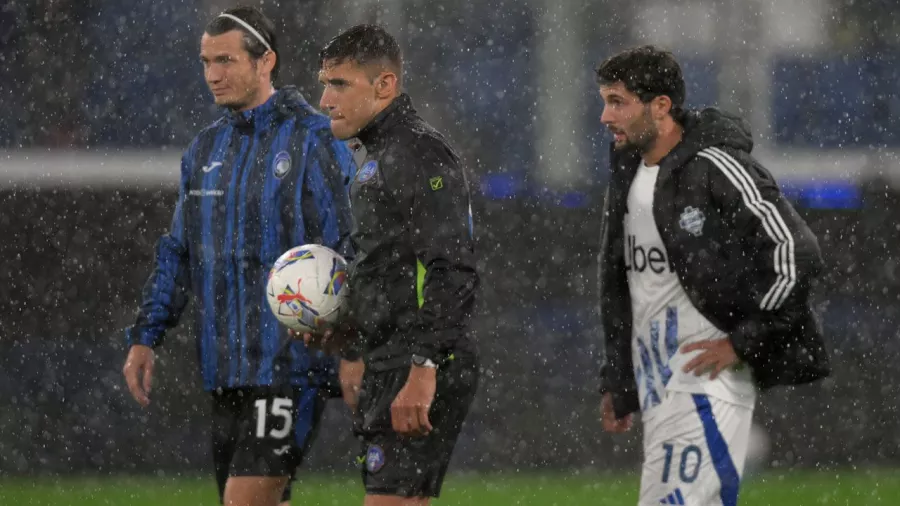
x=406 y=466
x=263 y=431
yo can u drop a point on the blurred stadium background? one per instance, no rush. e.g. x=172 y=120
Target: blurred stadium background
x=99 y=97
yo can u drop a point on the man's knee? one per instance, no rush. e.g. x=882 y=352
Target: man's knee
x=393 y=500
x=254 y=490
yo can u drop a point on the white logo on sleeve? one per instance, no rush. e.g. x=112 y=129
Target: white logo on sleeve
x=211 y=167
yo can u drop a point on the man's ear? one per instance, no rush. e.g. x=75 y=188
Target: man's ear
x=268 y=61
x=386 y=85
x=661 y=106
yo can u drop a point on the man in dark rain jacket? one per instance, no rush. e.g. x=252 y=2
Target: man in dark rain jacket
x=705 y=275
x=413 y=282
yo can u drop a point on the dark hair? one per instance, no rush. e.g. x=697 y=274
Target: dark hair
x=255 y=18
x=648 y=72
x=364 y=44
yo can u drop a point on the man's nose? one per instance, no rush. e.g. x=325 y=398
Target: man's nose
x=606 y=117
x=325 y=102
x=214 y=74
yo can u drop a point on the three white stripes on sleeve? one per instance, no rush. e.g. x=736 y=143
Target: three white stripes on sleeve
x=773 y=223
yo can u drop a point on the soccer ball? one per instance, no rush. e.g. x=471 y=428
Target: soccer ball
x=306 y=287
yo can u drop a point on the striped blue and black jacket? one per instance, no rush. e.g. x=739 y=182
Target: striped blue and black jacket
x=253 y=185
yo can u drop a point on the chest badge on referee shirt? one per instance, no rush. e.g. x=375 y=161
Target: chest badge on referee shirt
x=374 y=459
x=282 y=164
x=692 y=221
x=367 y=172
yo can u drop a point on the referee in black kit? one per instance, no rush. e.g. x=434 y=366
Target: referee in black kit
x=413 y=281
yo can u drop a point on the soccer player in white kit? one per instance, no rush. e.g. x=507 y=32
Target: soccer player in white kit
x=705 y=273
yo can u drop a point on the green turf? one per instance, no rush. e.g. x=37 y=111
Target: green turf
x=792 y=488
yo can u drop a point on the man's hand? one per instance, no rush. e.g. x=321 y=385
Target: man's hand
x=350 y=374
x=717 y=355
x=608 y=416
x=409 y=411
x=315 y=341
x=331 y=340
x=138 y=372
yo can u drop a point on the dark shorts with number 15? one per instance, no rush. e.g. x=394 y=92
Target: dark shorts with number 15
x=263 y=431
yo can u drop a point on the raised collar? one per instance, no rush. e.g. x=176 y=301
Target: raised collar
x=279 y=105
x=398 y=110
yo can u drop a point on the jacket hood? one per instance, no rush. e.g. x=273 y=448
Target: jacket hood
x=714 y=127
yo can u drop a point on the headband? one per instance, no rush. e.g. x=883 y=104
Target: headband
x=248 y=27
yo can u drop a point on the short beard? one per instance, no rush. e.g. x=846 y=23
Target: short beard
x=644 y=142
x=647 y=141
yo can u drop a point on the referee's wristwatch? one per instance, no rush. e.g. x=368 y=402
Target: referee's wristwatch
x=420 y=361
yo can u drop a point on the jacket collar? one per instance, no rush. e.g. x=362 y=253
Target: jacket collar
x=396 y=112
x=280 y=105
x=623 y=163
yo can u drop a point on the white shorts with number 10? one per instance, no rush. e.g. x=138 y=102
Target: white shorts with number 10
x=694 y=451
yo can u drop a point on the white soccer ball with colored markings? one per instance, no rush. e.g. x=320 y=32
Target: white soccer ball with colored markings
x=306 y=287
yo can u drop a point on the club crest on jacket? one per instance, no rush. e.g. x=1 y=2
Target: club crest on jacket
x=692 y=221
x=282 y=164
x=367 y=172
